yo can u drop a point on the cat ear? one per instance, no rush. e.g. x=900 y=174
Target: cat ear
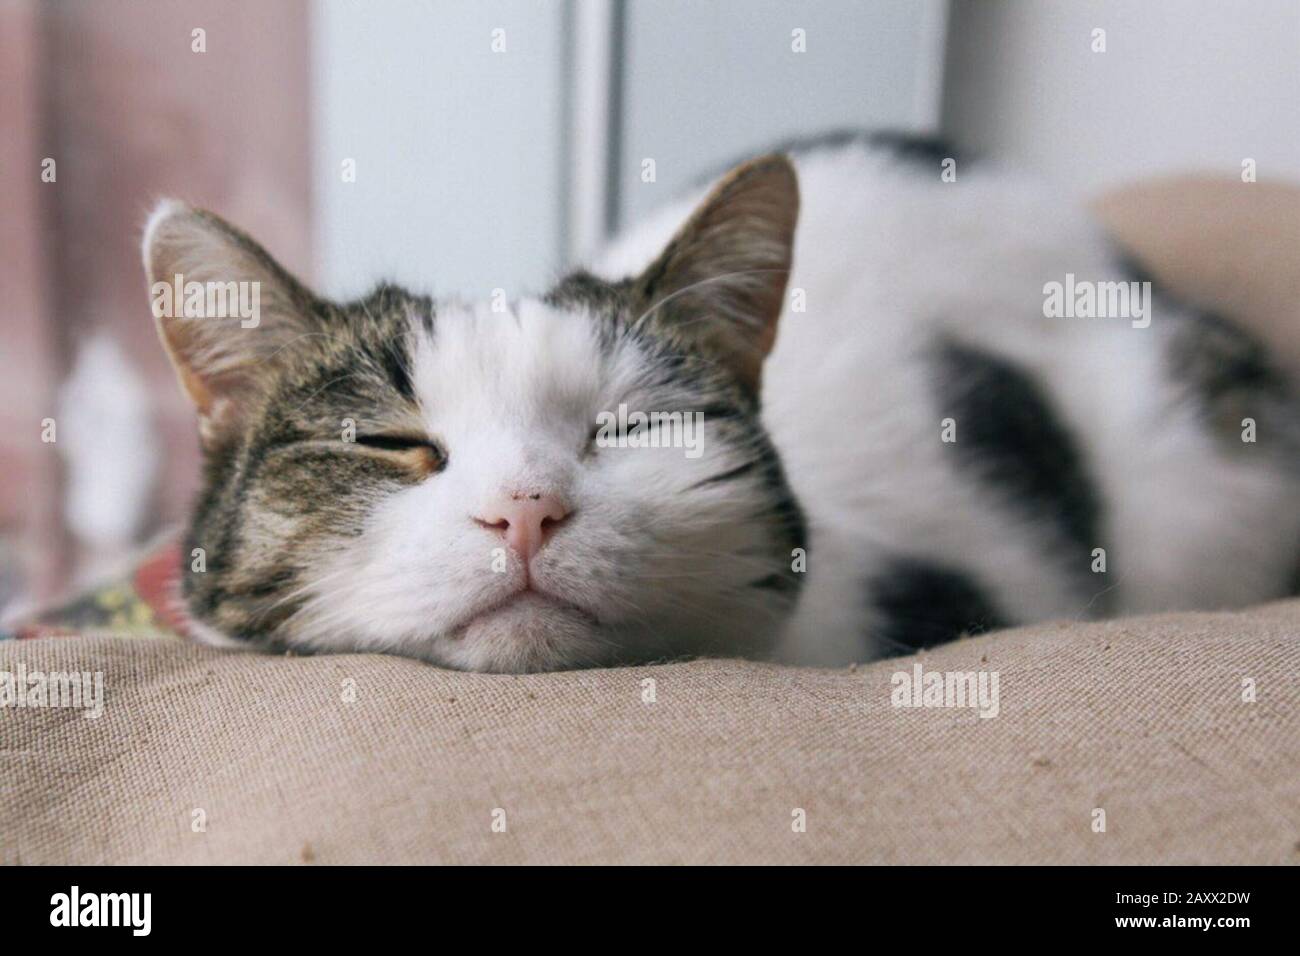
x=720 y=283
x=224 y=309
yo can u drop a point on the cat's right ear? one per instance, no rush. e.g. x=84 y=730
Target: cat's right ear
x=225 y=311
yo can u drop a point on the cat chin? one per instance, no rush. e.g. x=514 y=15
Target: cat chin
x=529 y=633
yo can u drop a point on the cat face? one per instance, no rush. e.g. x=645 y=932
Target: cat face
x=473 y=484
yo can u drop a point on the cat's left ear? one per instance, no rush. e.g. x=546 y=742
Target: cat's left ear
x=719 y=286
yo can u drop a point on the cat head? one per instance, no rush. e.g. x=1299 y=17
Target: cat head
x=474 y=484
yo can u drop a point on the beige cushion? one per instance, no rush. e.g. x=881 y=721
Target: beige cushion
x=1142 y=718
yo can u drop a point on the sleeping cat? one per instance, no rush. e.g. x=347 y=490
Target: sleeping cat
x=903 y=437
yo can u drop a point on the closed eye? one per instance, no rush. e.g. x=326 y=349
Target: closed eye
x=428 y=455
x=394 y=442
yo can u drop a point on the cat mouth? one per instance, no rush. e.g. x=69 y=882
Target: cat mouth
x=523 y=601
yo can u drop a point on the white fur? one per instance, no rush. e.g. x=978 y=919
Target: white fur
x=889 y=256
x=513 y=398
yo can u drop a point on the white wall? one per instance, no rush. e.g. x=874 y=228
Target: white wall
x=1183 y=84
x=706 y=82
x=465 y=172
x=471 y=165
x=457 y=147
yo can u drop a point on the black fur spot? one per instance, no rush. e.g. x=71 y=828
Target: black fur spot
x=920 y=604
x=1229 y=374
x=1011 y=438
x=913 y=147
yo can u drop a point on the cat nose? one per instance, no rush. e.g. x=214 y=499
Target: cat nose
x=526 y=519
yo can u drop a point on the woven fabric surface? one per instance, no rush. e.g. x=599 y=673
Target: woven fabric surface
x=205 y=756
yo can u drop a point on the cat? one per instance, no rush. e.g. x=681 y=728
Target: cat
x=901 y=441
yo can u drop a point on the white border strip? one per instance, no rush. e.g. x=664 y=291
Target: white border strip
x=589 y=142
x=927 y=106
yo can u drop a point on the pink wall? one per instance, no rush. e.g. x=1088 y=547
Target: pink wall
x=115 y=94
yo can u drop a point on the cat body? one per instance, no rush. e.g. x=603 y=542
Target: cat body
x=923 y=307
x=898 y=444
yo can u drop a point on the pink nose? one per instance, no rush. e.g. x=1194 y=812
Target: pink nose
x=527 y=520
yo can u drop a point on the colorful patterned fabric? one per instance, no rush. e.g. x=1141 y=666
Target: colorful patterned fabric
x=143 y=604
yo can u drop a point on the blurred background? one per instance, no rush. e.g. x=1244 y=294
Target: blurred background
x=461 y=147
